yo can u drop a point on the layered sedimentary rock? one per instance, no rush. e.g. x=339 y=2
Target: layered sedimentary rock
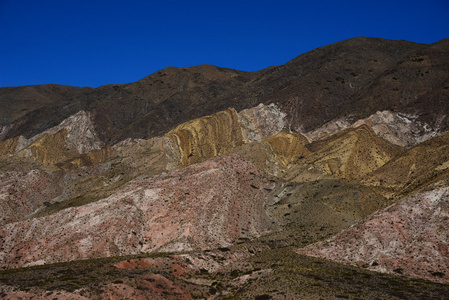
x=217 y=134
x=409 y=238
x=400 y=129
x=74 y=136
x=261 y=122
x=275 y=154
x=288 y=148
x=81 y=134
x=426 y=164
x=206 y=137
x=206 y=205
x=89 y=158
x=328 y=129
x=351 y=153
x=11 y=146
x=49 y=148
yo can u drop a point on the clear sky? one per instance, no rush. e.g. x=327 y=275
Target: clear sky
x=96 y=42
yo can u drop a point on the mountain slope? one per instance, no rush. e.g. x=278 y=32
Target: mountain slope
x=409 y=238
x=202 y=182
x=423 y=166
x=360 y=75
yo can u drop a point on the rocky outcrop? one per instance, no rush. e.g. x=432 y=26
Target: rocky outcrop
x=409 y=238
x=207 y=137
x=11 y=146
x=217 y=134
x=206 y=205
x=261 y=122
x=22 y=193
x=423 y=166
x=275 y=154
x=81 y=134
x=328 y=129
x=351 y=153
x=74 y=136
x=401 y=129
x=288 y=148
x=89 y=158
x=48 y=149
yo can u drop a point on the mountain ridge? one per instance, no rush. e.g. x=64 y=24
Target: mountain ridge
x=207 y=182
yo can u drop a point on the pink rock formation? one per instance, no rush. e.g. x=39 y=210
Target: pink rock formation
x=409 y=237
x=10 y=293
x=206 y=205
x=21 y=193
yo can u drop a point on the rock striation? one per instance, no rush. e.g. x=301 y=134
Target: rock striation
x=423 y=166
x=404 y=130
x=207 y=137
x=408 y=238
x=351 y=153
x=261 y=122
x=75 y=135
x=206 y=205
x=12 y=145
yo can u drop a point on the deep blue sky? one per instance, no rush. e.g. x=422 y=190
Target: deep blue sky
x=91 y=43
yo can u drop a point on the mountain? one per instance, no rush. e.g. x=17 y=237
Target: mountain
x=325 y=178
x=321 y=85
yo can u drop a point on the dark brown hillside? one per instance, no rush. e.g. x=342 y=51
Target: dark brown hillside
x=356 y=77
x=167 y=98
x=146 y=108
x=32 y=109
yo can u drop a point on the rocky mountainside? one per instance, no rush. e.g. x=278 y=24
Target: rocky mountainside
x=316 y=87
x=325 y=177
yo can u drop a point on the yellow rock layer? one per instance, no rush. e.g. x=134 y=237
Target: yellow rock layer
x=9 y=146
x=288 y=147
x=50 y=148
x=206 y=137
x=423 y=165
x=352 y=153
x=90 y=158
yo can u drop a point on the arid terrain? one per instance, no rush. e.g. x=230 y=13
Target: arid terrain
x=323 y=178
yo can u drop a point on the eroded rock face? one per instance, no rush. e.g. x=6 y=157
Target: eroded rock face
x=207 y=137
x=328 y=129
x=409 y=238
x=11 y=146
x=261 y=122
x=74 y=136
x=351 y=153
x=422 y=166
x=21 y=193
x=275 y=154
x=404 y=130
x=399 y=129
x=288 y=147
x=207 y=205
x=81 y=134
